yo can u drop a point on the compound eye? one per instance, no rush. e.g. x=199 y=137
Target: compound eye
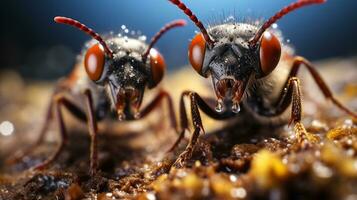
x=158 y=66
x=270 y=51
x=196 y=52
x=94 y=62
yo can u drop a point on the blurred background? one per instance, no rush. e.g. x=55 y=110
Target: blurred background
x=32 y=44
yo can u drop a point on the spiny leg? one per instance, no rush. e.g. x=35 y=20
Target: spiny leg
x=196 y=103
x=300 y=61
x=296 y=110
x=292 y=90
x=204 y=107
x=197 y=124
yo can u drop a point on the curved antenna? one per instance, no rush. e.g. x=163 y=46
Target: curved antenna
x=296 y=5
x=193 y=17
x=84 y=28
x=162 y=31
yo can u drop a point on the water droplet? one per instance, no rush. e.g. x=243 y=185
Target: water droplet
x=137 y=115
x=274 y=26
x=219 y=105
x=123 y=27
x=240 y=193
x=150 y=196
x=126 y=30
x=121 y=116
x=236 y=107
x=142 y=38
x=6 y=128
x=230 y=19
x=233 y=178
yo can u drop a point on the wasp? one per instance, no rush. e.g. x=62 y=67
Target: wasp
x=254 y=76
x=108 y=82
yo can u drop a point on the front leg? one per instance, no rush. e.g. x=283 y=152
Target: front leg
x=292 y=93
x=326 y=91
x=196 y=103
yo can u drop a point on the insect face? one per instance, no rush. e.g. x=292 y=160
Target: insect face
x=123 y=66
x=231 y=61
x=126 y=75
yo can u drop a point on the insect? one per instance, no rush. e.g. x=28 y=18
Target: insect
x=247 y=65
x=111 y=84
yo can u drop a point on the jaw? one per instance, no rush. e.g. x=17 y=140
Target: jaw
x=126 y=102
x=229 y=89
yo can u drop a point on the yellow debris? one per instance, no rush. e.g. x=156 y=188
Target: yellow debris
x=339 y=132
x=268 y=169
x=334 y=156
x=221 y=187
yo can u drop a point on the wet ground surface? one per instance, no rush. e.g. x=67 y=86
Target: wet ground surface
x=232 y=161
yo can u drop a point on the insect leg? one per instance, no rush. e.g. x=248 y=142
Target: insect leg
x=60 y=88
x=183 y=123
x=196 y=103
x=296 y=109
x=155 y=102
x=93 y=130
x=299 y=61
x=287 y=95
x=197 y=124
x=61 y=100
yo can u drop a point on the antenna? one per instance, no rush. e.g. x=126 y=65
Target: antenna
x=84 y=28
x=162 y=31
x=286 y=10
x=193 y=17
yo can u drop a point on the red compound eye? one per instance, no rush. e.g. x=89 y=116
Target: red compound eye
x=94 y=62
x=158 y=66
x=196 y=53
x=270 y=51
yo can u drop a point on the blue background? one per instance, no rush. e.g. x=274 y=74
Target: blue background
x=38 y=48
